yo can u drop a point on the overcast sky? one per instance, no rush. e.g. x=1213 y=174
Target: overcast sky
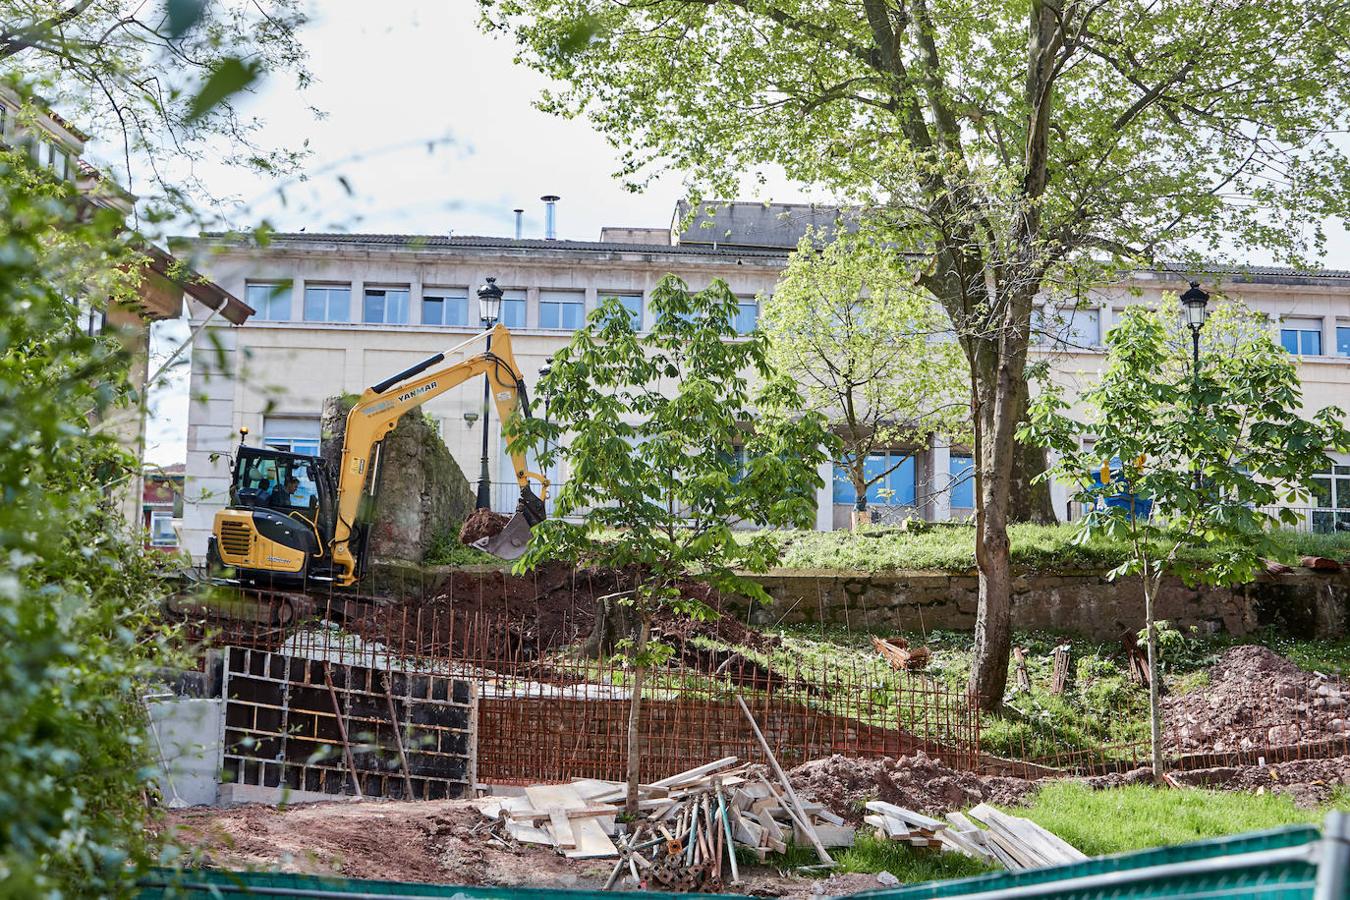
x=431 y=125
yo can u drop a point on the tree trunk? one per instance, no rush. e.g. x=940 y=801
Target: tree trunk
x=1154 y=714
x=635 y=715
x=1030 y=501
x=999 y=387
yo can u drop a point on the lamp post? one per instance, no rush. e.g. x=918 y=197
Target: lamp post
x=1194 y=305
x=489 y=311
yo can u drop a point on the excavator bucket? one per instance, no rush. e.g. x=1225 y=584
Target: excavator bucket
x=510 y=542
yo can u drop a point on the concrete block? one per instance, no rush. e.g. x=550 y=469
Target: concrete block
x=240 y=794
x=189 y=735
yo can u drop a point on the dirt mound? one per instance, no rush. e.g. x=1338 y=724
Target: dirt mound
x=1309 y=781
x=482 y=523
x=1256 y=699
x=919 y=783
x=428 y=842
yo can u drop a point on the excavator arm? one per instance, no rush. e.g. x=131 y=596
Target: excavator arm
x=382 y=405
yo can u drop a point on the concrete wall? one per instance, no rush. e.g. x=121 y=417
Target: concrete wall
x=189 y=731
x=1305 y=604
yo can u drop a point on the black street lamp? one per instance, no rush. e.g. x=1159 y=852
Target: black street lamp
x=1194 y=305
x=489 y=311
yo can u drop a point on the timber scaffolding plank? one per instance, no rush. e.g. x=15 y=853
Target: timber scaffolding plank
x=282 y=730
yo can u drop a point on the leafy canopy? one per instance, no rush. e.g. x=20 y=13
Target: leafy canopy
x=1125 y=127
x=673 y=437
x=77 y=593
x=1239 y=424
x=867 y=350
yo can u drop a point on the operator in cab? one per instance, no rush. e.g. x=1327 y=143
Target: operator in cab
x=280 y=498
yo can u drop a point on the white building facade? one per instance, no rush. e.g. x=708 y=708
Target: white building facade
x=336 y=313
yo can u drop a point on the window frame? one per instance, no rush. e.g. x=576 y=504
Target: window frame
x=1311 y=328
x=513 y=299
x=443 y=296
x=963 y=480
x=279 y=293
x=910 y=461
x=384 y=292
x=637 y=316
x=741 y=304
x=562 y=299
x=161 y=515
x=328 y=289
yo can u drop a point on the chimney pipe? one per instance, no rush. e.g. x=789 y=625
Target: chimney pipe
x=519 y=221
x=550 y=216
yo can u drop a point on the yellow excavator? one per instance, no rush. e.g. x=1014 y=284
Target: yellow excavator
x=290 y=521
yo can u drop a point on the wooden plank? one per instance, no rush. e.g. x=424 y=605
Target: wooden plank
x=534 y=815
x=1040 y=842
x=772 y=830
x=561 y=828
x=905 y=815
x=960 y=822
x=695 y=773
x=588 y=834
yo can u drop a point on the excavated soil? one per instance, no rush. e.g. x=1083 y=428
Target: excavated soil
x=481 y=523
x=1310 y=782
x=919 y=783
x=1256 y=699
x=496 y=615
x=426 y=842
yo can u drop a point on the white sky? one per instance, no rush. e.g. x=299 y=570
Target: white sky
x=423 y=74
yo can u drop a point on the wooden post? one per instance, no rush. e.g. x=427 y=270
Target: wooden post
x=1023 y=679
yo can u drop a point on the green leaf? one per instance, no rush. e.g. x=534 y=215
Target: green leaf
x=228 y=78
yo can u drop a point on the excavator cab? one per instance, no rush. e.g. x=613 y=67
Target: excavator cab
x=280 y=517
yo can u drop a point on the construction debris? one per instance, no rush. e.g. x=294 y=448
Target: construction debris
x=900 y=655
x=1006 y=840
x=690 y=825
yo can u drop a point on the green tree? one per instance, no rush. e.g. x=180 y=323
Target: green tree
x=1001 y=147
x=869 y=351
x=159 y=78
x=77 y=592
x=673 y=437
x=1212 y=452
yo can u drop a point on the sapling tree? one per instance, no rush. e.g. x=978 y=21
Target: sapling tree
x=868 y=350
x=669 y=439
x=1213 y=452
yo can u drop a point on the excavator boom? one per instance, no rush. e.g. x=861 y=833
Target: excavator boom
x=382 y=405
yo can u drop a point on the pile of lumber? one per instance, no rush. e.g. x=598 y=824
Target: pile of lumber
x=1009 y=841
x=689 y=828
x=900 y=655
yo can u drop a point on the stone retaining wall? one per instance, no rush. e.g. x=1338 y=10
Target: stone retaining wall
x=1304 y=603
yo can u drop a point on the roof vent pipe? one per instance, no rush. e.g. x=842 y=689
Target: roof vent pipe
x=519 y=221
x=550 y=216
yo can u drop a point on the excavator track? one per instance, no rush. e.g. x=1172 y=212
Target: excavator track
x=224 y=601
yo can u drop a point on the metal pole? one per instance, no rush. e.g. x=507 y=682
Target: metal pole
x=1195 y=367
x=484 y=476
x=1333 y=863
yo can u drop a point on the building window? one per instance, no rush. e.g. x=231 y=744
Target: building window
x=630 y=302
x=386 y=306
x=1302 y=337
x=1331 y=500
x=513 y=309
x=1343 y=340
x=747 y=315
x=1068 y=328
x=162 y=533
x=961 y=468
x=292 y=434
x=328 y=303
x=563 y=310
x=271 y=300
x=896 y=488
x=445 y=309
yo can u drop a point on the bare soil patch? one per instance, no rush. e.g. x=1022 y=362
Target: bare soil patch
x=1256 y=698
x=481 y=523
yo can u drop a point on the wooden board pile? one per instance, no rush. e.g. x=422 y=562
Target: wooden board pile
x=900 y=655
x=690 y=827
x=1009 y=841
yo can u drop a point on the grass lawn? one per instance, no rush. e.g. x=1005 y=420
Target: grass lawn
x=1115 y=820
x=1035 y=548
x=1139 y=816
